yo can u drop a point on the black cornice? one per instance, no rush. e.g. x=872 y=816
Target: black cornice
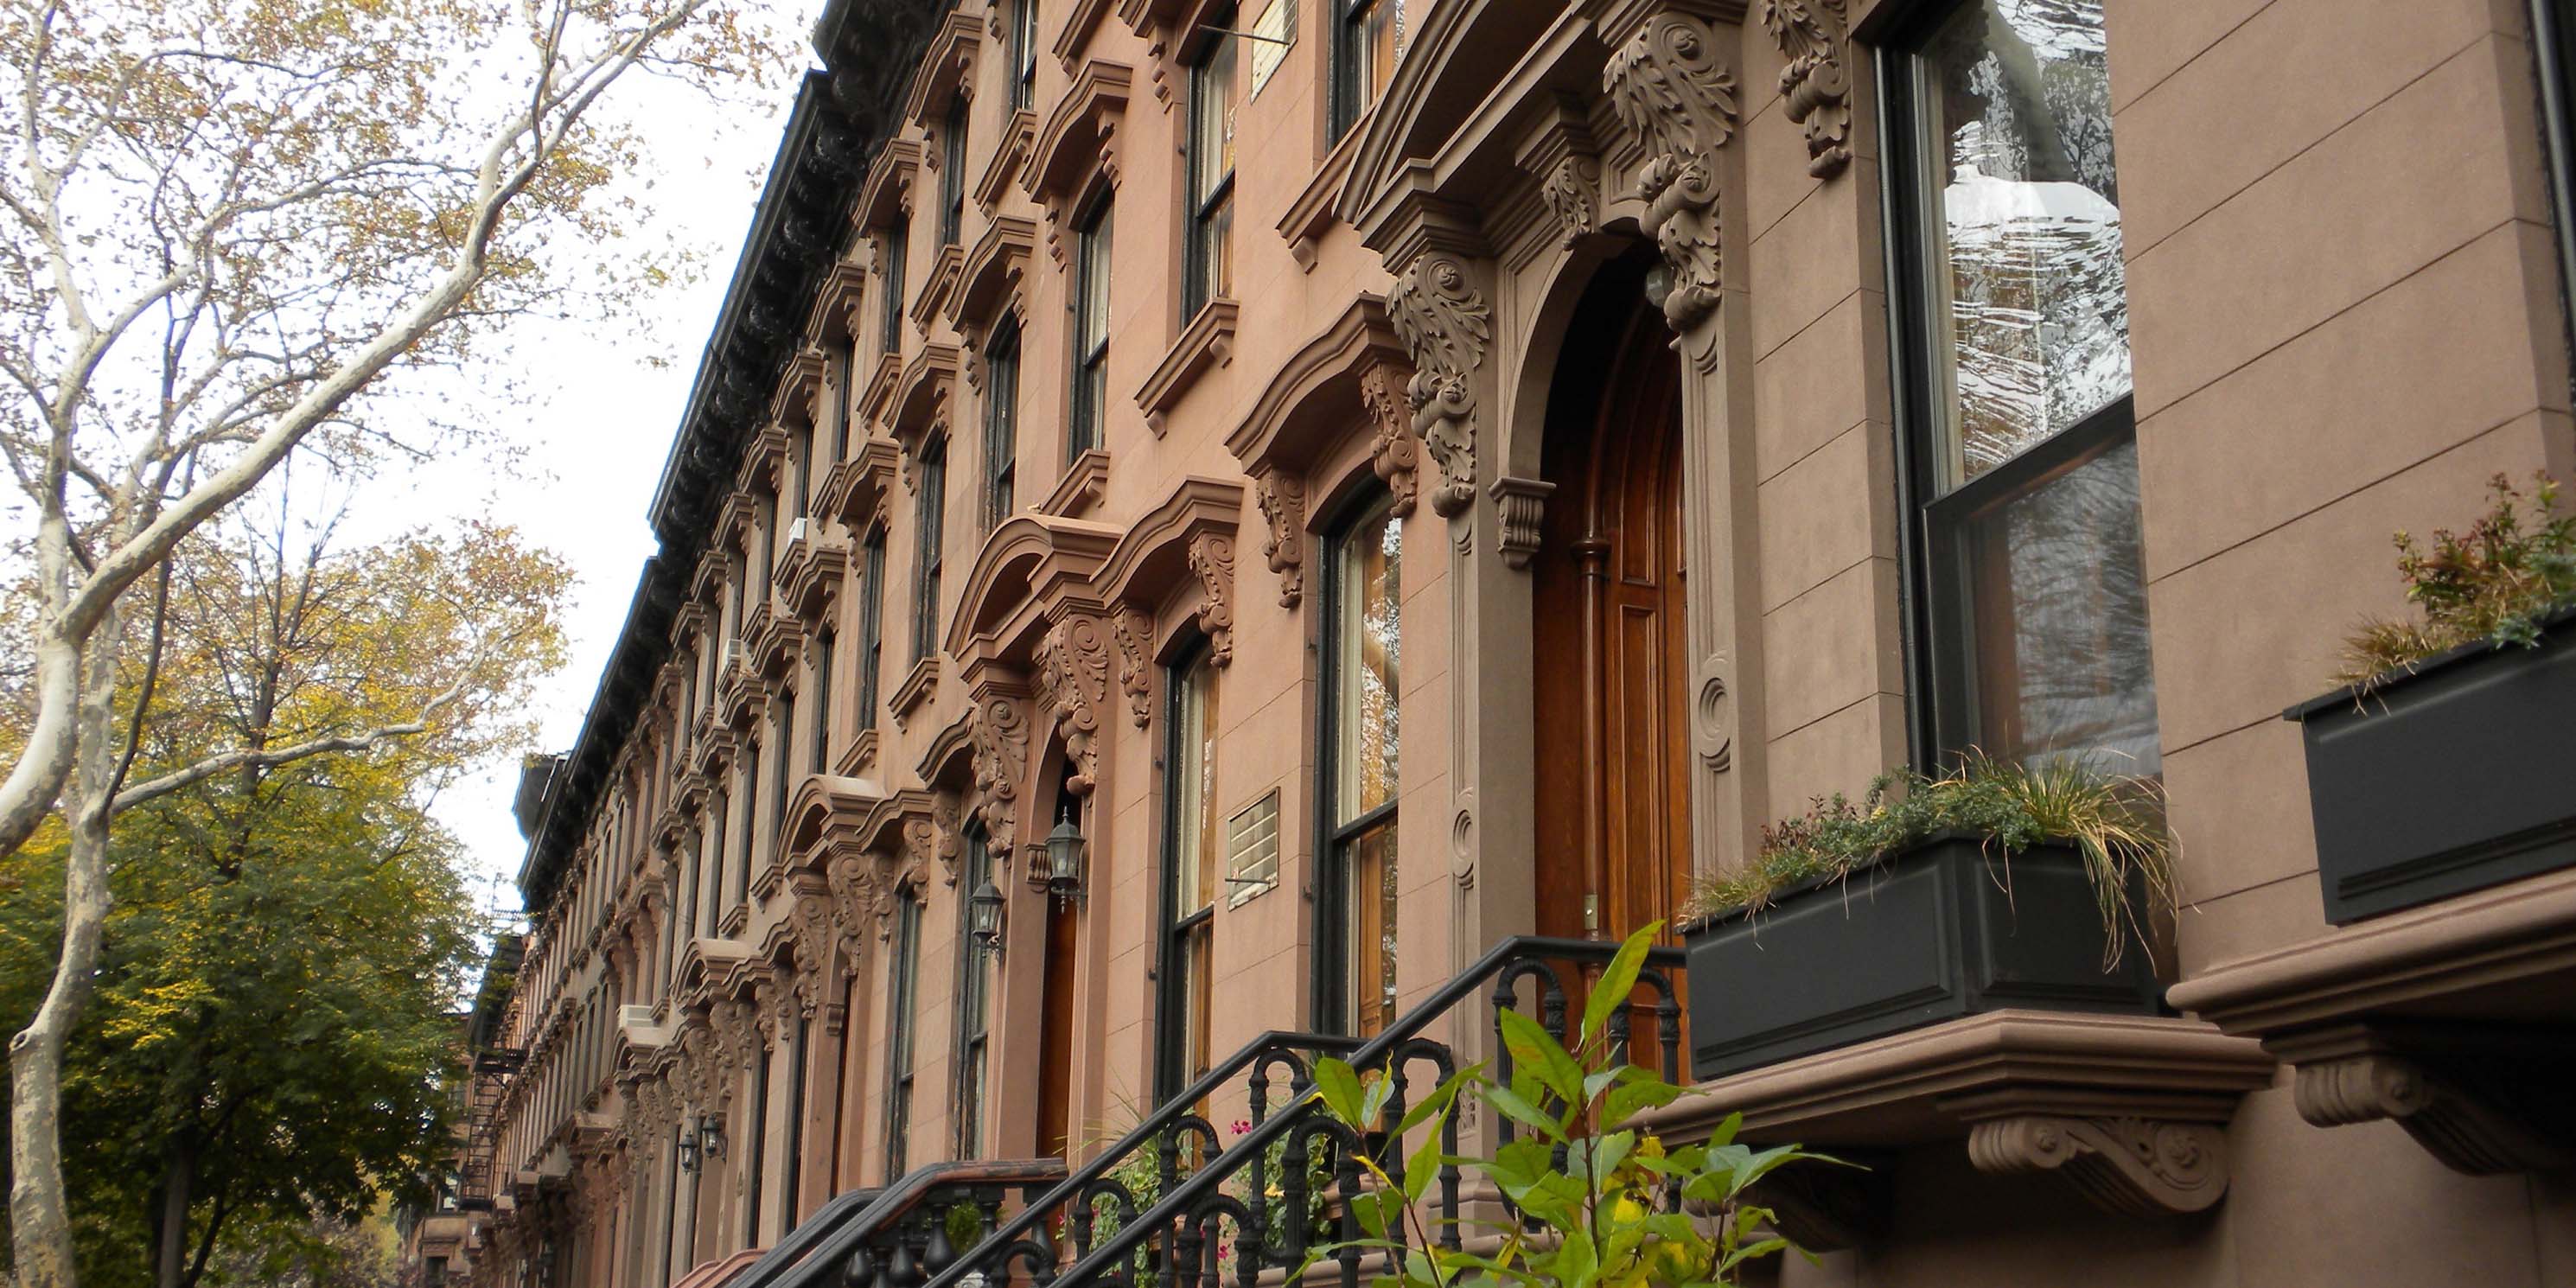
x=843 y=114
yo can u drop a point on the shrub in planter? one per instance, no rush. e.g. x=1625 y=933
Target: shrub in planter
x=1595 y=1195
x=2443 y=765
x=1990 y=886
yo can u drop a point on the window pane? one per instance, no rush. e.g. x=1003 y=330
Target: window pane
x=1212 y=119
x=1095 y=283
x=1367 y=651
x=2029 y=294
x=2057 y=607
x=1194 y=788
x=1380 y=40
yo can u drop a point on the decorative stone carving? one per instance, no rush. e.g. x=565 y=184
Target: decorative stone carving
x=1282 y=498
x=1523 y=505
x=947 y=832
x=921 y=836
x=2133 y=1166
x=1573 y=194
x=1712 y=718
x=1394 y=452
x=1667 y=85
x=849 y=879
x=1445 y=325
x=1131 y=629
x=2473 y=1129
x=809 y=924
x=1211 y=556
x=1001 y=747
x=1073 y=666
x=1815 y=89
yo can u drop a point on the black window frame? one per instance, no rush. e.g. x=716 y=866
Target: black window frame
x=930 y=527
x=970 y=1088
x=755 y=1149
x=1001 y=421
x=799 y=1055
x=952 y=172
x=1333 y=984
x=2553 y=43
x=1201 y=241
x=782 y=771
x=750 y=780
x=1094 y=239
x=1346 y=106
x=1024 y=54
x=711 y=892
x=903 y=967
x=872 y=575
x=1939 y=652
x=1172 y=929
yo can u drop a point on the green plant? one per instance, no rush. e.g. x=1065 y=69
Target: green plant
x=2115 y=821
x=2492 y=583
x=1604 y=1217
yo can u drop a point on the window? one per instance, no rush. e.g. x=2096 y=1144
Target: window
x=755 y=1127
x=1368 y=38
x=796 y=1060
x=843 y=369
x=768 y=542
x=872 y=569
x=1363 y=641
x=931 y=530
x=2553 y=32
x=952 y=172
x=1090 y=332
x=714 y=862
x=742 y=846
x=821 y=756
x=2032 y=606
x=974 y=992
x=903 y=965
x=1024 y=54
x=1190 y=866
x=1001 y=421
x=781 y=770
x=1209 y=270
x=890 y=303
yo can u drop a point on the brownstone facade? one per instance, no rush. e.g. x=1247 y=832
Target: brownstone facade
x=1657 y=412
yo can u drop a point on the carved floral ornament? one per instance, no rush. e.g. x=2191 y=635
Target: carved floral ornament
x=1282 y=498
x=1814 y=87
x=1667 y=85
x=1073 y=686
x=1000 y=738
x=1393 y=450
x=1130 y=629
x=1211 y=556
x=1446 y=326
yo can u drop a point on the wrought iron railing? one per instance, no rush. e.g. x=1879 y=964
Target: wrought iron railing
x=898 y=1236
x=1177 y=1240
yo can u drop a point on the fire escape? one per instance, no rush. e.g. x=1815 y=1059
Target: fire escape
x=493 y=1069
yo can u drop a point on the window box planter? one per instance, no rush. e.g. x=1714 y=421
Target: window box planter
x=1929 y=935
x=2454 y=777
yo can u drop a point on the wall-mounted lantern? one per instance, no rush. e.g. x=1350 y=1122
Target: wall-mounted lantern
x=1064 y=848
x=984 y=918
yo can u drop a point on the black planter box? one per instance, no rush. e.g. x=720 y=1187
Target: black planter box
x=2454 y=777
x=1930 y=935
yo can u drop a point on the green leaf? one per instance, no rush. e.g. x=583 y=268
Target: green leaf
x=1635 y=1096
x=1339 y=1086
x=1511 y=1105
x=1441 y=1098
x=1421 y=1167
x=1610 y=993
x=1536 y=1051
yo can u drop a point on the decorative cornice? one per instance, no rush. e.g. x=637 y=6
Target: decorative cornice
x=1207 y=342
x=938 y=286
x=1029 y=568
x=885 y=199
x=1078 y=140
x=926 y=395
x=1190 y=535
x=857 y=488
x=946 y=69
x=1310 y=403
x=1009 y=157
x=993 y=273
x=1079 y=22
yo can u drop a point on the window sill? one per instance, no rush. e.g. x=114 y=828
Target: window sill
x=916 y=687
x=947 y=269
x=1082 y=486
x=1207 y=342
x=861 y=753
x=1310 y=215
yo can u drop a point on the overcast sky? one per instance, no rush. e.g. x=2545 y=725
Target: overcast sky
x=593 y=440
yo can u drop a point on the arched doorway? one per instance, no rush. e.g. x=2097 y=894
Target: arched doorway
x=1613 y=807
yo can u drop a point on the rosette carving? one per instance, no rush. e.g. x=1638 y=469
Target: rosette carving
x=1445 y=325
x=1667 y=85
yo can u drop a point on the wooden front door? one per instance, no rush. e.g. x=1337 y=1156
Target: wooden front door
x=1613 y=746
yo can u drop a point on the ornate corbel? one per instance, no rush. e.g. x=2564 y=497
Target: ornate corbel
x=1814 y=88
x=1282 y=498
x=1573 y=195
x=2142 y=1167
x=2496 y=1112
x=1130 y=629
x=1073 y=670
x=1667 y=85
x=1445 y=325
x=1523 y=506
x=1000 y=737
x=1393 y=450
x=1211 y=556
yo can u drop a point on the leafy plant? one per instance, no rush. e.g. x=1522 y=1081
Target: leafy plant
x=2115 y=821
x=1620 y=1210
x=2492 y=584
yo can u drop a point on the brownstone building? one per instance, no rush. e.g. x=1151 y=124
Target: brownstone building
x=1135 y=422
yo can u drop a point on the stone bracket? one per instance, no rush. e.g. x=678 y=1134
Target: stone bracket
x=2142 y=1167
x=2486 y=1104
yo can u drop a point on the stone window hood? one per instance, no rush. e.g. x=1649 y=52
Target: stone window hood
x=2456 y=1021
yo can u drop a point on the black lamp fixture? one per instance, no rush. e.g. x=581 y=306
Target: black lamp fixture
x=711 y=1135
x=688 y=1151
x=1064 y=858
x=984 y=918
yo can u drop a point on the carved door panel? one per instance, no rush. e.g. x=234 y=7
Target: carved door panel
x=1611 y=646
x=1055 y=1038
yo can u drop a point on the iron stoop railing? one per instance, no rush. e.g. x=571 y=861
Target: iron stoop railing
x=1178 y=1239
x=897 y=1237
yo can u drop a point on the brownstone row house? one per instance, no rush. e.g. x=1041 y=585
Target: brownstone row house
x=1203 y=518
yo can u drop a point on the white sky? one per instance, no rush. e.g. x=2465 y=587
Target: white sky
x=595 y=438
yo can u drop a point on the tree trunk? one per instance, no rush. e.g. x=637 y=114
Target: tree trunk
x=40 y=1234
x=176 y=1193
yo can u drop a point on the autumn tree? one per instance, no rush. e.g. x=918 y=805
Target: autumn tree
x=231 y=232
x=273 y=1004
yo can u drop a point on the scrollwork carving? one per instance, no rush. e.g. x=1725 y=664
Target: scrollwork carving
x=1001 y=747
x=1445 y=325
x=1130 y=630
x=1815 y=89
x=1211 y=556
x=2131 y=1166
x=1573 y=194
x=1667 y=85
x=1282 y=498
x=1393 y=451
x=1073 y=662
